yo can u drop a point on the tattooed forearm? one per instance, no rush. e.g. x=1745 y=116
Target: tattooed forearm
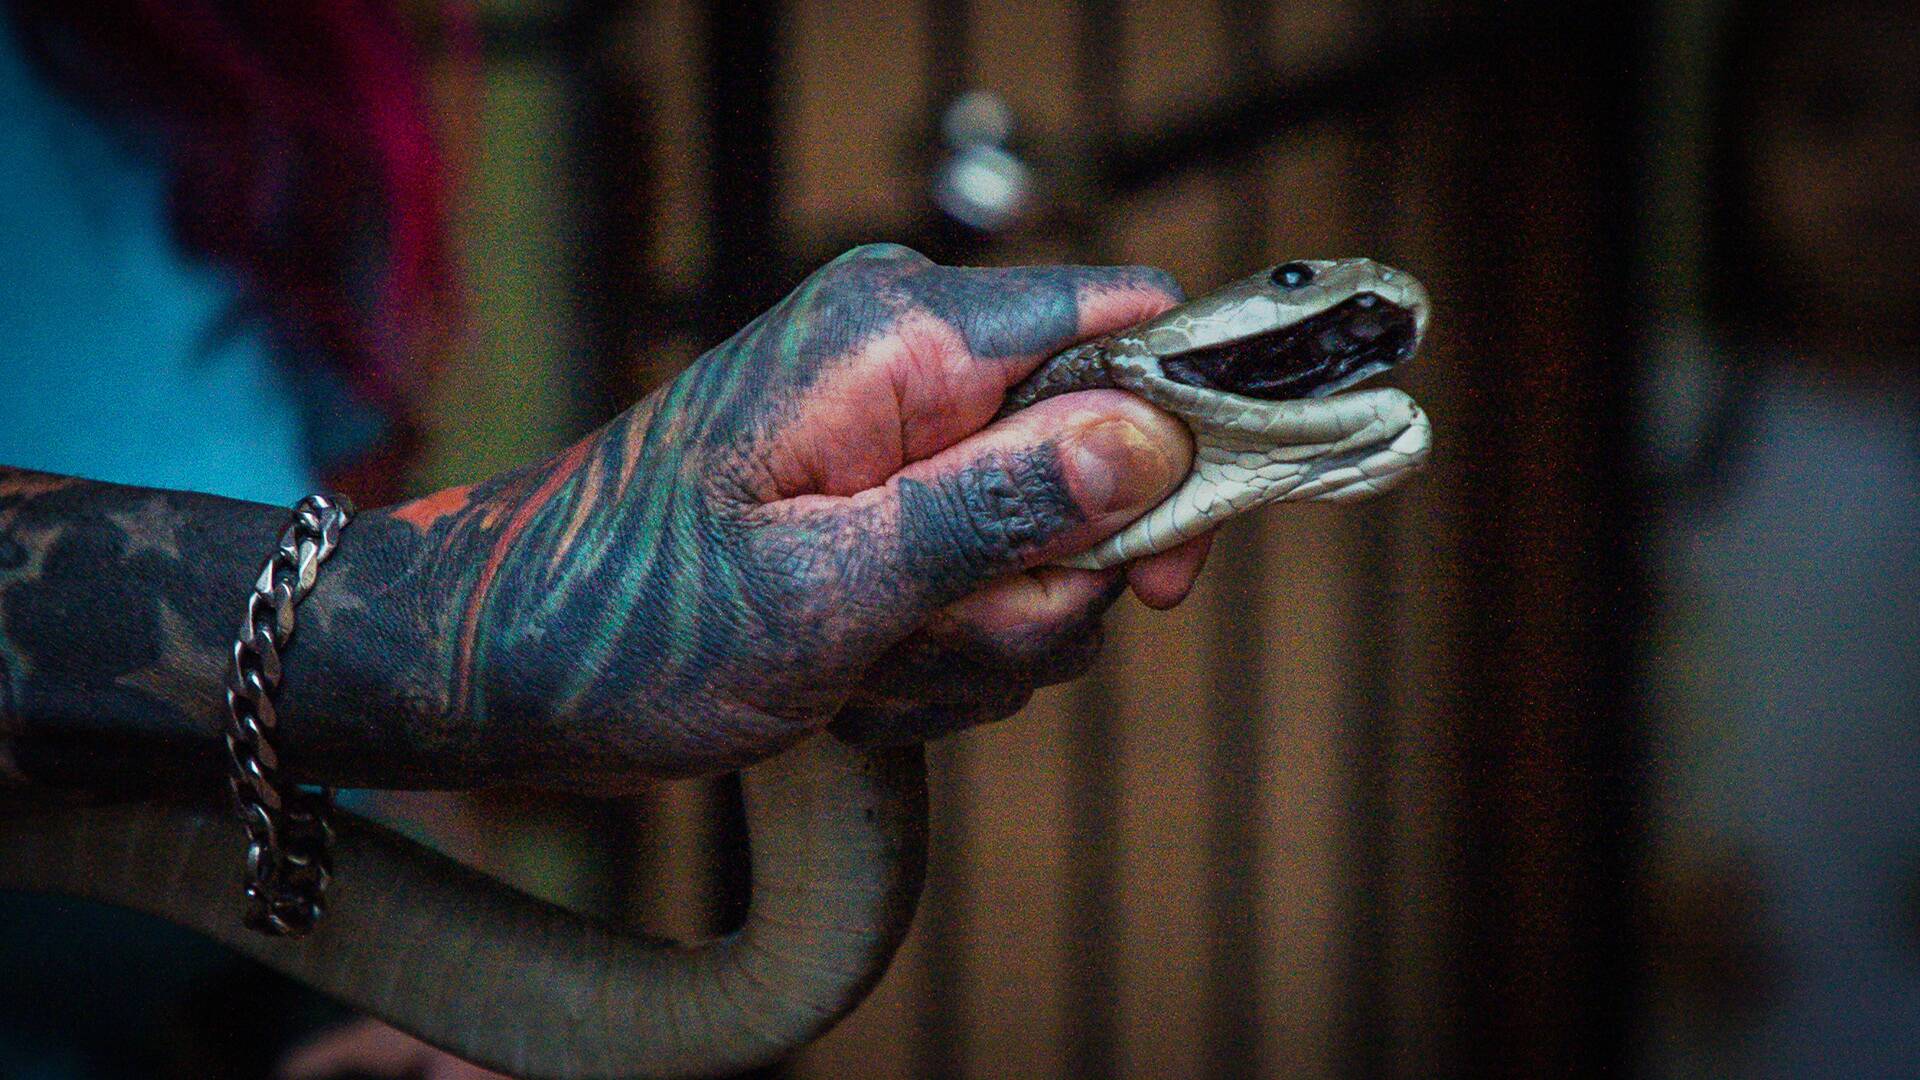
x=118 y=608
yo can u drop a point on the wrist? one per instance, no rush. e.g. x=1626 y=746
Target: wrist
x=361 y=694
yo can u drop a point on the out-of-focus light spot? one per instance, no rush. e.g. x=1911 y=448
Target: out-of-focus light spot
x=980 y=183
x=977 y=116
x=982 y=187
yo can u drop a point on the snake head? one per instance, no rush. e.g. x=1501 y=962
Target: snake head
x=1303 y=329
x=1256 y=370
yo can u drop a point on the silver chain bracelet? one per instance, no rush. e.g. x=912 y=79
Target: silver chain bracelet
x=289 y=836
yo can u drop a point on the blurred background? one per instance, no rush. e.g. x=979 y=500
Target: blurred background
x=1593 y=751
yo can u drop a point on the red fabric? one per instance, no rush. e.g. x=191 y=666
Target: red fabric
x=301 y=139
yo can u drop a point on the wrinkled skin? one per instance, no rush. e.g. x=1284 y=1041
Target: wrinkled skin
x=809 y=521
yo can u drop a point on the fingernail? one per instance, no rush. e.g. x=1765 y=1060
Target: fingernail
x=1119 y=468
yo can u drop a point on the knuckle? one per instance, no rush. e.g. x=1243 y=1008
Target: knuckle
x=882 y=253
x=861 y=293
x=998 y=516
x=960 y=529
x=1015 y=504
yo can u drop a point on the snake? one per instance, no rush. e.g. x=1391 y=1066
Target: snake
x=1256 y=371
x=1260 y=372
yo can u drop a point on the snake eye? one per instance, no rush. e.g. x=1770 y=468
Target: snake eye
x=1292 y=275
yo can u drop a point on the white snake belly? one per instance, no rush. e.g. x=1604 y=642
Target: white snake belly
x=1249 y=453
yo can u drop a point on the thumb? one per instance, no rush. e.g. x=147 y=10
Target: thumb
x=1042 y=484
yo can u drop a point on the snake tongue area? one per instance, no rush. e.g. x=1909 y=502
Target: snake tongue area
x=1317 y=356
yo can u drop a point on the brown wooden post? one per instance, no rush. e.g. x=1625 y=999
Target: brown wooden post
x=1539 y=296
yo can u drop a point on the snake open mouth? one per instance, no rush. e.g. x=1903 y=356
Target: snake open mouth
x=1354 y=340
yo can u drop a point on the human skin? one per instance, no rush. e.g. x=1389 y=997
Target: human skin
x=809 y=522
x=371 y=1048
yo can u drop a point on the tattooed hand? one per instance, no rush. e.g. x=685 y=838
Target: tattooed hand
x=809 y=522
x=809 y=518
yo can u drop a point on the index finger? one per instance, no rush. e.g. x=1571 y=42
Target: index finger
x=986 y=328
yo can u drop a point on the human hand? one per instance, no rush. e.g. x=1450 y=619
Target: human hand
x=370 y=1048
x=810 y=518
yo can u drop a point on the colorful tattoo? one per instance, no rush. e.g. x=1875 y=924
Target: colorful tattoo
x=663 y=596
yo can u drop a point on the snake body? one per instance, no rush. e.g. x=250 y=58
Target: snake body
x=838 y=833
x=516 y=984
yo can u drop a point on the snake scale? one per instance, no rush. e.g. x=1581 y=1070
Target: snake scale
x=838 y=832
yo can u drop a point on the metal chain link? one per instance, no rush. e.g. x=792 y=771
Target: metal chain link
x=289 y=837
